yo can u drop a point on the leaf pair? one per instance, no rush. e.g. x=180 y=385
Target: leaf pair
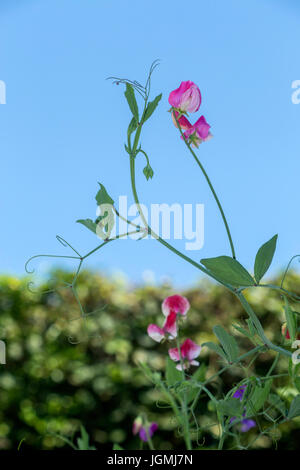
x=132 y=103
x=230 y=271
x=229 y=349
x=104 y=223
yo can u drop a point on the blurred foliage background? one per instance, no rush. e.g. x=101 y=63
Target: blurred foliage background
x=62 y=370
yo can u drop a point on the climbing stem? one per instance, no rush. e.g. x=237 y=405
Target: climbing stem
x=210 y=186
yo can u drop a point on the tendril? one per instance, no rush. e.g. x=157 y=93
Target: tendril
x=287 y=269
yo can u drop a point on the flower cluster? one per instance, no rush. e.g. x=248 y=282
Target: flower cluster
x=145 y=431
x=187 y=98
x=172 y=308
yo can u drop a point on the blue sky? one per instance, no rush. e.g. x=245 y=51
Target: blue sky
x=63 y=126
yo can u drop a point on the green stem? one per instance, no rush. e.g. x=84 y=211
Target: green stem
x=186 y=427
x=259 y=327
x=108 y=241
x=157 y=237
x=210 y=186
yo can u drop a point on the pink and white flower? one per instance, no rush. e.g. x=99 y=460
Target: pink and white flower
x=198 y=132
x=175 y=303
x=189 y=351
x=186 y=98
x=169 y=329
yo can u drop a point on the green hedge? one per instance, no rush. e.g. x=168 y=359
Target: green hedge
x=50 y=385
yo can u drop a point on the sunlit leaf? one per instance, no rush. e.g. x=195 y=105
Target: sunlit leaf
x=264 y=258
x=228 y=270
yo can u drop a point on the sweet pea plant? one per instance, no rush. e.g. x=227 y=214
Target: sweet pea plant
x=252 y=405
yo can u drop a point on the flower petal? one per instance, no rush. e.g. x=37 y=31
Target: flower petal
x=155 y=332
x=183 y=121
x=202 y=128
x=176 y=95
x=174 y=354
x=190 y=350
x=170 y=324
x=239 y=393
x=175 y=303
x=151 y=430
x=191 y=99
x=247 y=424
x=137 y=424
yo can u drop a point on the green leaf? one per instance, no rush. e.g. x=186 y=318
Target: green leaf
x=231 y=407
x=83 y=441
x=294 y=410
x=173 y=375
x=132 y=127
x=148 y=172
x=228 y=343
x=117 y=447
x=216 y=348
x=258 y=397
x=264 y=258
x=243 y=331
x=251 y=326
x=228 y=270
x=130 y=96
x=102 y=197
x=151 y=108
x=291 y=321
x=88 y=223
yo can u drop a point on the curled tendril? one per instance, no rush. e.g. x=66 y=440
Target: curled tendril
x=31 y=284
x=46 y=256
x=287 y=269
x=71 y=340
x=74 y=342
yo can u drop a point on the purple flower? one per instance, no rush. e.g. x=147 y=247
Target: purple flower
x=151 y=430
x=239 y=393
x=246 y=424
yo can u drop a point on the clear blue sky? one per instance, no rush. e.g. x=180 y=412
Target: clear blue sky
x=64 y=125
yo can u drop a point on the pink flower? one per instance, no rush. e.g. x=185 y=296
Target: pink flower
x=175 y=303
x=198 y=132
x=186 y=98
x=169 y=329
x=182 y=120
x=189 y=351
